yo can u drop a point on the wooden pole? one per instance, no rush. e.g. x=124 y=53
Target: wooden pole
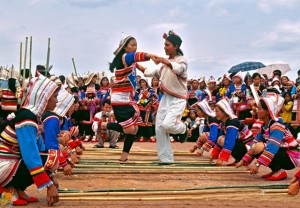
x=74 y=67
x=179 y=197
x=138 y=153
x=48 y=58
x=101 y=171
x=24 y=65
x=20 y=61
x=140 y=193
x=30 y=57
x=161 y=167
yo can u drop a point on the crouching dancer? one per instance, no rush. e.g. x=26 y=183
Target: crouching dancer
x=20 y=145
x=274 y=146
x=234 y=136
x=211 y=130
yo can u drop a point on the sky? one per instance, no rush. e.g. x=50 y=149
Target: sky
x=216 y=34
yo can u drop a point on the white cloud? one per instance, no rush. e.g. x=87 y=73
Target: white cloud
x=285 y=34
x=215 y=7
x=166 y=27
x=268 y=5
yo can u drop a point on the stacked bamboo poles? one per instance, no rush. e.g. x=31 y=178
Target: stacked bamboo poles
x=220 y=193
x=221 y=188
x=135 y=153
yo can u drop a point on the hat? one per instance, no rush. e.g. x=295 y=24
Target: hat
x=174 y=39
x=39 y=92
x=3 y=73
x=202 y=79
x=275 y=79
x=204 y=106
x=56 y=80
x=224 y=105
x=211 y=79
x=13 y=73
x=71 y=81
x=90 y=77
x=226 y=76
x=194 y=79
x=64 y=101
x=239 y=75
x=122 y=43
x=272 y=105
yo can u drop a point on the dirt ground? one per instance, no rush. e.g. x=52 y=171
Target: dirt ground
x=165 y=181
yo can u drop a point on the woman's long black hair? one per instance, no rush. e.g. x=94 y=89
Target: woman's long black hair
x=117 y=61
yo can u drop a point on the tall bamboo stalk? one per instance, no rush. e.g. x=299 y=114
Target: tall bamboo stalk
x=74 y=67
x=48 y=58
x=20 y=60
x=30 y=56
x=24 y=65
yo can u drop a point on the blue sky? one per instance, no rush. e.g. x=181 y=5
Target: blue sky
x=217 y=34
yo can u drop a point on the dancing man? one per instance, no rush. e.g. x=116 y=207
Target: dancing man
x=173 y=77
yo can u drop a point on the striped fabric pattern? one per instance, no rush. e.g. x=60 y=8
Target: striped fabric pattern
x=41 y=89
x=8 y=169
x=206 y=108
x=40 y=177
x=65 y=101
x=225 y=154
x=224 y=105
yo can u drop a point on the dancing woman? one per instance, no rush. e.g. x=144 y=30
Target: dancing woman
x=122 y=92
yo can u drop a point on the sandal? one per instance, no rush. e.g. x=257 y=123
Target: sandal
x=123 y=161
x=87 y=139
x=29 y=199
x=98 y=146
x=113 y=146
x=280 y=175
x=94 y=139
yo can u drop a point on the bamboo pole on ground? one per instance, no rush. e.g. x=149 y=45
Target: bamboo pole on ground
x=142 y=160
x=120 y=150
x=48 y=58
x=215 y=191
x=138 y=153
x=262 y=187
x=186 y=163
x=124 y=166
x=180 y=197
x=24 y=66
x=101 y=171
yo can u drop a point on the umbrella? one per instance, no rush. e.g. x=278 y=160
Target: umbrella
x=268 y=70
x=246 y=66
